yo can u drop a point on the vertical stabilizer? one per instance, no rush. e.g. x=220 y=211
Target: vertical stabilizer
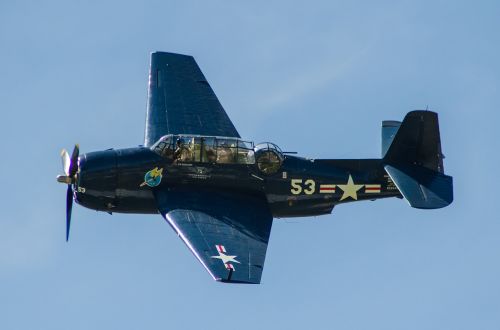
x=417 y=142
x=415 y=163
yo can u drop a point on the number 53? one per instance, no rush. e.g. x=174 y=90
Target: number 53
x=308 y=187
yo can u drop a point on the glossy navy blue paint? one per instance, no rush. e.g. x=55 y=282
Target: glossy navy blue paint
x=204 y=218
x=181 y=101
x=111 y=181
x=221 y=200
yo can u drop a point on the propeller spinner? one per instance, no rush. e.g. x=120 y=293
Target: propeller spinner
x=70 y=168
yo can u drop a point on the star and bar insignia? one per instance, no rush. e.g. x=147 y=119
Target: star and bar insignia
x=350 y=189
x=226 y=259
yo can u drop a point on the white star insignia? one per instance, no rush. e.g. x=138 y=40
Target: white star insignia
x=350 y=189
x=225 y=258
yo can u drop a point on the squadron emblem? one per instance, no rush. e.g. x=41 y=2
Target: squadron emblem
x=152 y=178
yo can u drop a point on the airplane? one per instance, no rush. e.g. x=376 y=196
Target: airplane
x=220 y=193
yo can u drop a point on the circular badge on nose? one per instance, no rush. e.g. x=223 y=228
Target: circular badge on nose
x=152 y=178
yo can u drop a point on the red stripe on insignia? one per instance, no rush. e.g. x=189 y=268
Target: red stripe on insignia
x=326 y=190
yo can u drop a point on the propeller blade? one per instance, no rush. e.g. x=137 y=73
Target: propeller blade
x=73 y=167
x=65 y=161
x=69 y=207
x=70 y=167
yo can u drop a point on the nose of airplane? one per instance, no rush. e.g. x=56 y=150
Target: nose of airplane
x=96 y=183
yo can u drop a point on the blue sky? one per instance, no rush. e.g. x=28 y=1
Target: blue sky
x=315 y=77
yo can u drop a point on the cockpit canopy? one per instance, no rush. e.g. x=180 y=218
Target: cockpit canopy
x=205 y=149
x=269 y=157
x=220 y=150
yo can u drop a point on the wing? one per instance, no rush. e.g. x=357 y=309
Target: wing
x=227 y=232
x=180 y=100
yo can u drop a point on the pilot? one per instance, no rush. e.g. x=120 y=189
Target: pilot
x=178 y=149
x=224 y=154
x=211 y=155
x=167 y=151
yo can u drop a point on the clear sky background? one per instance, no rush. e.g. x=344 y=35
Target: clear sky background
x=316 y=77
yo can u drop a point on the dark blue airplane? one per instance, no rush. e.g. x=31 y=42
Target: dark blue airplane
x=220 y=193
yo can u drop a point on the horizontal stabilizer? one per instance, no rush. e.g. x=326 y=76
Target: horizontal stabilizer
x=422 y=188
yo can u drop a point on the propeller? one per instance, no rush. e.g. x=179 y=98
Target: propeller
x=70 y=168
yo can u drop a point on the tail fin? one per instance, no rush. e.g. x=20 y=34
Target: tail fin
x=415 y=163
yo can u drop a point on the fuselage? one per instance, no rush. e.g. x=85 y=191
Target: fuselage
x=124 y=180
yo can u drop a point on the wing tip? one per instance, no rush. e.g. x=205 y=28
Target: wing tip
x=221 y=280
